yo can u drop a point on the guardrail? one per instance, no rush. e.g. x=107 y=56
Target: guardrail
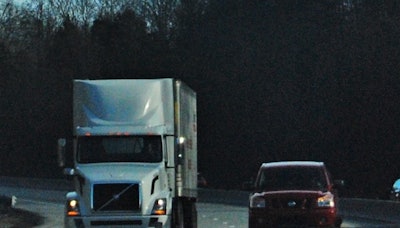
x=383 y=210
x=237 y=198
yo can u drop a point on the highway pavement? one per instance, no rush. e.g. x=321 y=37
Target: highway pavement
x=46 y=198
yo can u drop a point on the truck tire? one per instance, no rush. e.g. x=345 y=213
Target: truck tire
x=190 y=214
x=184 y=214
x=177 y=214
x=252 y=223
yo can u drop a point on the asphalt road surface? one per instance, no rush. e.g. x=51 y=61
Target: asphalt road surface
x=48 y=201
x=209 y=215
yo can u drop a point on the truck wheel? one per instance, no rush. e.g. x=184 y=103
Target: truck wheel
x=252 y=224
x=190 y=214
x=338 y=222
x=177 y=214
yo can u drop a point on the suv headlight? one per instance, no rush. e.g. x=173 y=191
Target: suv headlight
x=326 y=201
x=257 y=201
x=73 y=207
x=160 y=207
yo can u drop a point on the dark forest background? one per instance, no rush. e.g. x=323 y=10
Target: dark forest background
x=275 y=79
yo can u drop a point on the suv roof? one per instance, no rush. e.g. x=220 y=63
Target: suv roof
x=291 y=163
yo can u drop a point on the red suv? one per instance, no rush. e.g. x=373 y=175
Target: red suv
x=295 y=193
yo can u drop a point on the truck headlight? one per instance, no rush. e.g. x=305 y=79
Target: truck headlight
x=160 y=207
x=257 y=202
x=73 y=207
x=326 y=201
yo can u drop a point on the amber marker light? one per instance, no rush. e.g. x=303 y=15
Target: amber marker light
x=73 y=208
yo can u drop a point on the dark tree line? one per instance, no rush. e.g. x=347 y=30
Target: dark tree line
x=276 y=80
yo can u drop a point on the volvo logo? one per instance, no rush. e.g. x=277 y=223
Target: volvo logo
x=291 y=203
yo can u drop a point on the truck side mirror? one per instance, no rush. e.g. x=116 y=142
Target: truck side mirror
x=69 y=172
x=62 y=143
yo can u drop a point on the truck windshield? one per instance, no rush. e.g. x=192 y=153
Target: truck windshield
x=94 y=149
x=292 y=178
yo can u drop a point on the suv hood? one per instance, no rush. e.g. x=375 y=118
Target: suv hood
x=289 y=193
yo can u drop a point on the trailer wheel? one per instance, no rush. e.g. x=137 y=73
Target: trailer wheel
x=252 y=223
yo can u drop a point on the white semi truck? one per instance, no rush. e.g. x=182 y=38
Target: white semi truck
x=134 y=152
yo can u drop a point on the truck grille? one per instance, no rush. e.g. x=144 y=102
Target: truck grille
x=116 y=197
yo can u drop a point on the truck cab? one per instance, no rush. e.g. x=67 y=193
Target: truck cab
x=134 y=154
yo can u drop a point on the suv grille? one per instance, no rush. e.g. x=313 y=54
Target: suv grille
x=116 y=197
x=289 y=203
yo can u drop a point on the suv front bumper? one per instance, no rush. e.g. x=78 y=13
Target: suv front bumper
x=310 y=217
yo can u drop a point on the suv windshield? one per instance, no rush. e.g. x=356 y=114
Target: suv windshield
x=95 y=149
x=292 y=178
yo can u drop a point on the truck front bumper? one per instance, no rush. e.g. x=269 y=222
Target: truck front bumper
x=118 y=221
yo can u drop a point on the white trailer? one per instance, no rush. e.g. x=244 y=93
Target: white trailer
x=134 y=154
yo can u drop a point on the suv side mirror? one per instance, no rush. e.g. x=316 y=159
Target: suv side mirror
x=338 y=183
